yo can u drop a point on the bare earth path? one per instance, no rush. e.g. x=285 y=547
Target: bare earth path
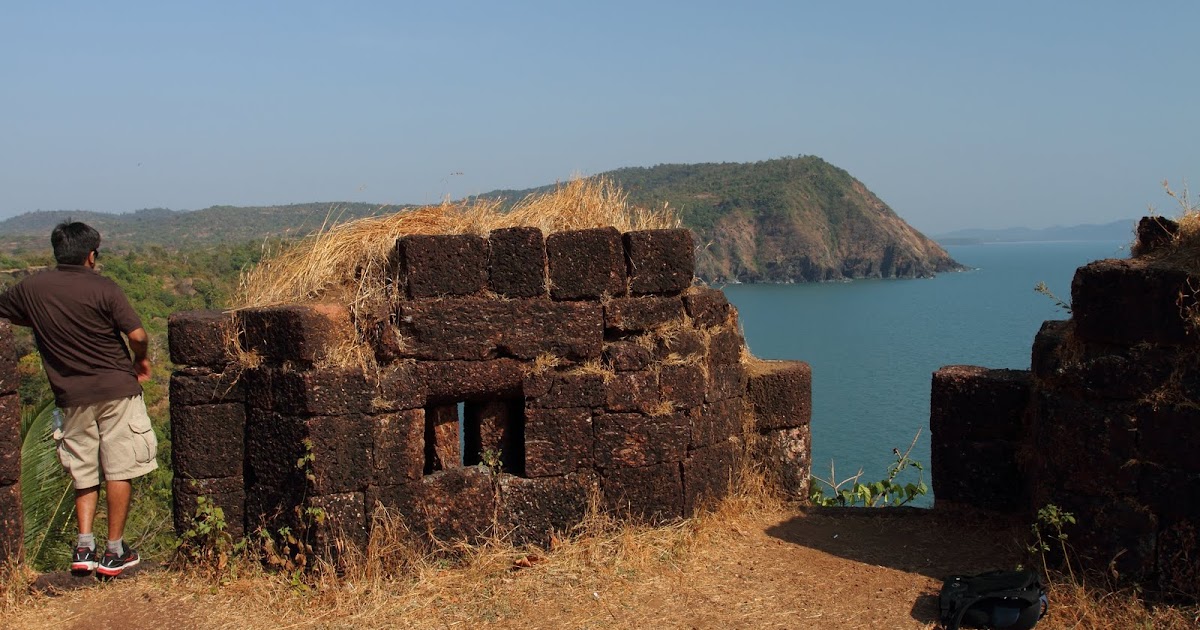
x=820 y=569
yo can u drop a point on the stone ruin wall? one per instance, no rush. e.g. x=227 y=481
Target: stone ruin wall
x=12 y=533
x=1105 y=423
x=648 y=402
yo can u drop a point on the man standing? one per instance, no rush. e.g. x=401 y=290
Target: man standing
x=78 y=317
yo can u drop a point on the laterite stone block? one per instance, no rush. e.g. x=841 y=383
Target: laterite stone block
x=345 y=521
x=660 y=261
x=1170 y=436
x=725 y=347
x=586 y=264
x=685 y=344
x=708 y=473
x=323 y=392
x=12 y=528
x=715 y=423
x=200 y=338
x=207 y=440
x=450 y=506
x=399 y=387
x=10 y=439
x=971 y=403
x=707 y=307
x=1045 y=362
x=517 y=262
x=725 y=381
x=340 y=451
x=1130 y=302
x=786 y=457
x=981 y=474
x=257 y=383
x=652 y=493
x=453 y=328
x=682 y=384
x=572 y=330
x=1152 y=234
x=557 y=441
x=202 y=386
x=631 y=440
x=780 y=393
x=626 y=356
x=442 y=438
x=226 y=493
x=398 y=447
x=1083 y=446
x=536 y=509
x=457 y=381
x=10 y=379
x=432 y=265
x=633 y=391
x=304 y=334
x=641 y=313
x=565 y=389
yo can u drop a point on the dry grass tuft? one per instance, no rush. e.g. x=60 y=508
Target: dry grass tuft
x=14 y=585
x=351 y=263
x=1073 y=605
x=1184 y=250
x=594 y=366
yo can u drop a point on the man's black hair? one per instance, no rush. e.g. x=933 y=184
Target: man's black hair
x=73 y=241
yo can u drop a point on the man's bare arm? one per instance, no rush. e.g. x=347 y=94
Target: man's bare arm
x=139 y=342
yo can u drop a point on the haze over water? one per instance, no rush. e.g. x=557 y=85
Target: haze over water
x=874 y=344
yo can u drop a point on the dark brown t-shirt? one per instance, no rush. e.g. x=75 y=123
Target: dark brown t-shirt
x=77 y=317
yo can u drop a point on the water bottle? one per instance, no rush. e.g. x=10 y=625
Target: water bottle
x=57 y=420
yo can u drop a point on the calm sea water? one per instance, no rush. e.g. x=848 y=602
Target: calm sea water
x=874 y=344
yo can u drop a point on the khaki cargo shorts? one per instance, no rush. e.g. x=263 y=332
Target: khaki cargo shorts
x=113 y=437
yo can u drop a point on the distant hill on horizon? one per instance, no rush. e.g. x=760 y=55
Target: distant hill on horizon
x=796 y=219
x=1121 y=230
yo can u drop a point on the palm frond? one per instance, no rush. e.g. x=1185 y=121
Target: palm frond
x=47 y=494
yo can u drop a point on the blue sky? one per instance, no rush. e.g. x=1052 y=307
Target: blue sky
x=955 y=114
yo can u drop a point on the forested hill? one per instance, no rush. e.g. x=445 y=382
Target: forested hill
x=786 y=220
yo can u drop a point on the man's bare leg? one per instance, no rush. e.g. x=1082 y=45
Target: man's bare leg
x=85 y=507
x=119 y=493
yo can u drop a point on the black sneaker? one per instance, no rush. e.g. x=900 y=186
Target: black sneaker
x=112 y=564
x=83 y=560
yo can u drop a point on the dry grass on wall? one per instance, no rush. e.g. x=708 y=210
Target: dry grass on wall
x=350 y=262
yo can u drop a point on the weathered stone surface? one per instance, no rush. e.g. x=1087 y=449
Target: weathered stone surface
x=200 y=338
x=564 y=389
x=785 y=455
x=10 y=380
x=626 y=356
x=708 y=473
x=453 y=328
x=1178 y=559
x=450 y=505
x=442 y=449
x=660 y=261
x=202 y=386
x=305 y=334
x=12 y=528
x=1153 y=233
x=345 y=521
x=1129 y=302
x=725 y=381
x=1170 y=436
x=433 y=265
x=652 y=493
x=707 y=307
x=1082 y=446
x=227 y=493
x=257 y=383
x=10 y=439
x=207 y=440
x=717 y=422
x=635 y=314
x=336 y=451
x=517 y=262
x=325 y=392
x=535 y=509
x=399 y=387
x=633 y=391
x=494 y=429
x=630 y=440
x=976 y=404
x=780 y=393
x=398 y=447
x=586 y=264
x=681 y=344
x=725 y=347
x=572 y=330
x=981 y=474
x=557 y=441
x=682 y=384
x=1045 y=362
x=1168 y=491
x=1118 y=538
x=457 y=381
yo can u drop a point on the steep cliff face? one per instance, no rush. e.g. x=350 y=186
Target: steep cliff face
x=786 y=220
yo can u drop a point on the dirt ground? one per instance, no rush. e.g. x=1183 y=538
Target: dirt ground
x=813 y=569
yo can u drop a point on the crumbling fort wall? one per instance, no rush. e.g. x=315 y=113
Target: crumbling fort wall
x=1105 y=424
x=12 y=531
x=513 y=378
